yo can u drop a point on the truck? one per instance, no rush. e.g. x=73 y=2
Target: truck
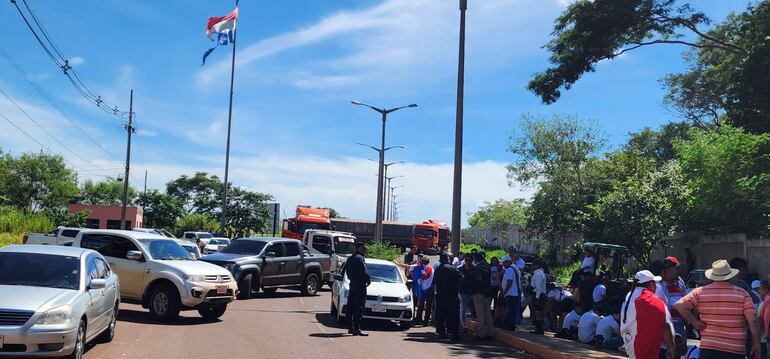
x=428 y=237
x=270 y=263
x=59 y=236
x=338 y=245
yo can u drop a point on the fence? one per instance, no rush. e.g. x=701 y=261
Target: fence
x=518 y=237
x=708 y=248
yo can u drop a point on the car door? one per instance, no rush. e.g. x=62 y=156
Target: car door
x=292 y=263
x=271 y=266
x=114 y=249
x=94 y=306
x=110 y=293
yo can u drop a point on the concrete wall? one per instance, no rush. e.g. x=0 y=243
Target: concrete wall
x=100 y=214
x=708 y=248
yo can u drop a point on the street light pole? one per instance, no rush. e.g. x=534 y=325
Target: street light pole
x=381 y=169
x=390 y=194
x=458 y=165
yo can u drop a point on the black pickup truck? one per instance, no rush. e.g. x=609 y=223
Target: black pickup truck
x=271 y=263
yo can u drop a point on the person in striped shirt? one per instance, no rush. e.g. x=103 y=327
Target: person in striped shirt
x=724 y=309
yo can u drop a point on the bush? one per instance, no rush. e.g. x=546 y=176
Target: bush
x=382 y=251
x=564 y=274
x=9 y=238
x=490 y=252
x=13 y=220
x=196 y=222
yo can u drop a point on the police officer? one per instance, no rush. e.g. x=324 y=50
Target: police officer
x=447 y=279
x=355 y=268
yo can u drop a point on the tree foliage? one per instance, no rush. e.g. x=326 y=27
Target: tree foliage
x=247 y=212
x=499 y=215
x=161 y=210
x=36 y=181
x=196 y=222
x=200 y=193
x=107 y=192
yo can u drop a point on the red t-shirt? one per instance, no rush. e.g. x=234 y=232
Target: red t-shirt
x=650 y=317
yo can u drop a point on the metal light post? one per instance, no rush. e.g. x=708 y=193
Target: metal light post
x=388 y=192
x=458 y=165
x=391 y=197
x=381 y=170
x=386 y=176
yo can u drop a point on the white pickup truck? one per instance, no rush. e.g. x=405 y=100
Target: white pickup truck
x=338 y=245
x=61 y=236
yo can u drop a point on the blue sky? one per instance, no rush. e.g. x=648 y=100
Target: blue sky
x=299 y=65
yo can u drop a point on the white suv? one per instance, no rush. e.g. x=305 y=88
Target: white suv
x=159 y=274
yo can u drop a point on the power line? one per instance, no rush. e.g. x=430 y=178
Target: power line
x=50 y=100
x=44 y=130
x=63 y=63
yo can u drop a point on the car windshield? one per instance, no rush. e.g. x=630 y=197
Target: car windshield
x=219 y=241
x=192 y=250
x=166 y=233
x=39 y=270
x=383 y=273
x=165 y=249
x=344 y=245
x=244 y=246
x=205 y=235
x=424 y=232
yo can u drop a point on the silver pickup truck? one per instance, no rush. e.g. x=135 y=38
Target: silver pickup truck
x=61 y=236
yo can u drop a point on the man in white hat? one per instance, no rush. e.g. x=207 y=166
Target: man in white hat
x=645 y=321
x=724 y=309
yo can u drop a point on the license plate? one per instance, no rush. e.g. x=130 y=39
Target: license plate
x=379 y=308
x=221 y=289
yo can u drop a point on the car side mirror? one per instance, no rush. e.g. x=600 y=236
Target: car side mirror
x=134 y=255
x=270 y=254
x=97 y=284
x=338 y=277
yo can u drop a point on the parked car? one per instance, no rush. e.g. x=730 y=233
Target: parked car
x=194 y=236
x=55 y=300
x=387 y=297
x=271 y=263
x=158 y=231
x=191 y=248
x=159 y=274
x=215 y=245
x=338 y=245
x=58 y=236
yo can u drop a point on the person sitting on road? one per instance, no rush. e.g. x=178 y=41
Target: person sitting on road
x=569 y=328
x=587 y=325
x=558 y=304
x=608 y=331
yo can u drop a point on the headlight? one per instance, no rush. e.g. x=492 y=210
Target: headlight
x=194 y=278
x=405 y=298
x=230 y=266
x=57 y=315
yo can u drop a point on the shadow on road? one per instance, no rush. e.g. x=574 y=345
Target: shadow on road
x=142 y=317
x=469 y=346
x=330 y=321
x=329 y=335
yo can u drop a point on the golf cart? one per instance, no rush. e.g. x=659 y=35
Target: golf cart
x=618 y=255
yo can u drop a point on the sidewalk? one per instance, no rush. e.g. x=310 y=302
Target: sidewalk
x=548 y=347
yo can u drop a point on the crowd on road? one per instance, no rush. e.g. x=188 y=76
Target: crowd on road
x=652 y=316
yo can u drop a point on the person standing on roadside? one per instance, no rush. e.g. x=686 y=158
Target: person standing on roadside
x=483 y=298
x=468 y=287
x=495 y=274
x=513 y=255
x=645 y=322
x=447 y=280
x=539 y=287
x=355 y=268
x=764 y=314
x=724 y=310
x=512 y=292
x=671 y=289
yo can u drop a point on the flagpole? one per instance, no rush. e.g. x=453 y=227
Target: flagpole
x=223 y=225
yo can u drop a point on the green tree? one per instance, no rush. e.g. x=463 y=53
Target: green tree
x=201 y=193
x=591 y=31
x=196 y=222
x=247 y=212
x=161 y=210
x=36 y=181
x=107 y=192
x=640 y=212
x=728 y=172
x=62 y=217
x=499 y=215
x=658 y=145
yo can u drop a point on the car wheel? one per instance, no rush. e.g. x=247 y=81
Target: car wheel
x=247 y=286
x=333 y=309
x=212 y=312
x=109 y=333
x=165 y=303
x=80 y=342
x=310 y=284
x=269 y=290
x=405 y=325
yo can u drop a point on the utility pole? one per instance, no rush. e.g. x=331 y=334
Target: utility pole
x=130 y=130
x=458 y=166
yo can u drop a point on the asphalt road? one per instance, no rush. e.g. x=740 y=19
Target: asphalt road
x=284 y=325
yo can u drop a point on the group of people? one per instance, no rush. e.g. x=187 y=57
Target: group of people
x=654 y=319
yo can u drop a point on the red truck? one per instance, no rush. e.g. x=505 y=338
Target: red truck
x=428 y=236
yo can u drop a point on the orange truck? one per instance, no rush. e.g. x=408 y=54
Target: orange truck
x=304 y=219
x=426 y=236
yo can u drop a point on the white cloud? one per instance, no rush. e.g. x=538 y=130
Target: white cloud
x=310 y=81
x=214 y=133
x=75 y=61
x=146 y=133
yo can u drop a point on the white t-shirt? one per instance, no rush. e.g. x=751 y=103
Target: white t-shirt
x=599 y=292
x=519 y=262
x=608 y=327
x=571 y=320
x=587 y=326
x=512 y=273
x=589 y=264
x=559 y=294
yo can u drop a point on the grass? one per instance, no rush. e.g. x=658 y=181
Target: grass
x=382 y=251
x=564 y=273
x=15 y=221
x=490 y=252
x=9 y=238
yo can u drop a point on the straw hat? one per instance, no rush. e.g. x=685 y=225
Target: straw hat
x=720 y=271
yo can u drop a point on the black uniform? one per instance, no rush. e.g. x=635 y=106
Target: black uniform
x=447 y=279
x=355 y=268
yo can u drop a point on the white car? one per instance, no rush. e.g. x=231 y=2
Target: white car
x=190 y=247
x=54 y=300
x=215 y=245
x=387 y=297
